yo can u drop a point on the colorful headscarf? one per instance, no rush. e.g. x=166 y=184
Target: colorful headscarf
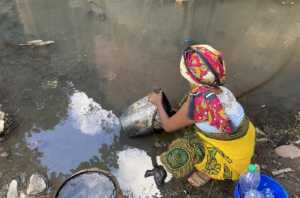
x=204 y=68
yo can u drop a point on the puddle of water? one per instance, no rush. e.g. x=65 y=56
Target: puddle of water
x=115 y=51
x=77 y=138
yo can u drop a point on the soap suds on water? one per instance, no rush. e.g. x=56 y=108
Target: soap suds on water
x=89 y=117
x=133 y=164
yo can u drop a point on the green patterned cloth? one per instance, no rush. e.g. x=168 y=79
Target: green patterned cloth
x=182 y=155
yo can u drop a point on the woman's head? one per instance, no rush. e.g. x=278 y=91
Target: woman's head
x=202 y=64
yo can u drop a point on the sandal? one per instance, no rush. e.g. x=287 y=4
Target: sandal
x=198 y=179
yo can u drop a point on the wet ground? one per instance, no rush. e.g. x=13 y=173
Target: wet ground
x=113 y=52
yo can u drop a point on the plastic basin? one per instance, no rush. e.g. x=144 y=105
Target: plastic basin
x=265 y=182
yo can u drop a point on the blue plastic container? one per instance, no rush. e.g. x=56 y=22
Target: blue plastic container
x=265 y=182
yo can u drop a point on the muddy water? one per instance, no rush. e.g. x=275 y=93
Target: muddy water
x=114 y=52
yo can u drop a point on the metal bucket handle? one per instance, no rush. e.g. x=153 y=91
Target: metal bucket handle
x=119 y=193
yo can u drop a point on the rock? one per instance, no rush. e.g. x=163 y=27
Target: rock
x=22 y=195
x=297 y=142
x=281 y=171
x=2 y=127
x=288 y=151
x=12 y=189
x=4 y=155
x=37 y=185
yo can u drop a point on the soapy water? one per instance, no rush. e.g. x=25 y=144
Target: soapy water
x=78 y=138
x=133 y=164
x=89 y=117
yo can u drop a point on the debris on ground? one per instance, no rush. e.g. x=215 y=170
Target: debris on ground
x=262 y=140
x=12 y=189
x=260 y=132
x=36 y=43
x=95 y=9
x=288 y=151
x=263 y=106
x=37 y=185
x=181 y=1
x=297 y=142
x=282 y=171
x=4 y=154
x=22 y=195
x=7 y=123
x=50 y=84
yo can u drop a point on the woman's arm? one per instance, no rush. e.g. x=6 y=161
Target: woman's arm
x=177 y=121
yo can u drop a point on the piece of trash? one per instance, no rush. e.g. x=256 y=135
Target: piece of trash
x=4 y=155
x=181 y=1
x=36 y=43
x=52 y=84
x=297 y=142
x=262 y=140
x=260 y=132
x=288 y=151
x=282 y=171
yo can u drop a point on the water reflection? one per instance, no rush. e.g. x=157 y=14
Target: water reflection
x=77 y=138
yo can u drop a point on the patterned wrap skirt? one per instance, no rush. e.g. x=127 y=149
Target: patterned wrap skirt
x=220 y=156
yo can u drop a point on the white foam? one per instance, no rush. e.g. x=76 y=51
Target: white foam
x=133 y=164
x=89 y=117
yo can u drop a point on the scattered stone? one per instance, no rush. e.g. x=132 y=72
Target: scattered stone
x=282 y=171
x=37 y=185
x=263 y=106
x=297 y=142
x=22 y=195
x=263 y=166
x=4 y=155
x=159 y=144
x=12 y=189
x=288 y=151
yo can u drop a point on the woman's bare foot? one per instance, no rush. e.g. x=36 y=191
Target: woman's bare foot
x=198 y=179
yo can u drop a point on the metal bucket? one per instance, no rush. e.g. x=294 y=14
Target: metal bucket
x=141 y=118
x=90 y=183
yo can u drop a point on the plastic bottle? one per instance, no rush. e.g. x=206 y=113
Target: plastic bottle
x=249 y=182
x=268 y=193
x=253 y=194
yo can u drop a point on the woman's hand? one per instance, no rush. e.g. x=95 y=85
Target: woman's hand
x=155 y=98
